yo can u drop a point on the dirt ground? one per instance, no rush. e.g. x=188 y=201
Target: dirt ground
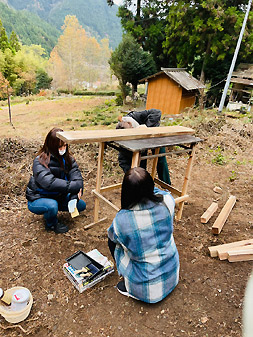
x=209 y=297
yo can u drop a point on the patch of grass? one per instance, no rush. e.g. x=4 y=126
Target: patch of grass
x=219 y=158
x=233 y=176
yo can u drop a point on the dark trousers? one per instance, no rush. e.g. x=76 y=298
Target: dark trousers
x=112 y=247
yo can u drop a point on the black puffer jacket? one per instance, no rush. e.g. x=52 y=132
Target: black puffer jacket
x=53 y=182
x=150 y=118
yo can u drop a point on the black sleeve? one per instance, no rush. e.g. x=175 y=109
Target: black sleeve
x=150 y=118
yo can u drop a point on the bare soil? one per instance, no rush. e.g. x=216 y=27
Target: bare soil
x=209 y=297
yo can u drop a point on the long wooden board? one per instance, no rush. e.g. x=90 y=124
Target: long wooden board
x=107 y=135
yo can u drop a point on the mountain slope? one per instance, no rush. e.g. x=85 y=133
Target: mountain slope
x=94 y=15
x=29 y=27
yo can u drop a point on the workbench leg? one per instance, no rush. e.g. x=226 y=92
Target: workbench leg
x=99 y=178
x=136 y=159
x=155 y=160
x=186 y=181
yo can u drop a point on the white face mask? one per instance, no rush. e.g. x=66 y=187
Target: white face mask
x=62 y=152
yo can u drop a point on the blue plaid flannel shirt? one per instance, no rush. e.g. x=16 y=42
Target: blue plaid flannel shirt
x=146 y=254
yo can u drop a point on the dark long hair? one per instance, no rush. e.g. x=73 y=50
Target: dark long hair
x=137 y=187
x=51 y=147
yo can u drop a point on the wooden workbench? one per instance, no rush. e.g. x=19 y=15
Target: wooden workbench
x=136 y=140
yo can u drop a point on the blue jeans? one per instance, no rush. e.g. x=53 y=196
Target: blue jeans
x=49 y=208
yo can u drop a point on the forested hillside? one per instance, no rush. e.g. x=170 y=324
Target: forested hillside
x=94 y=15
x=29 y=28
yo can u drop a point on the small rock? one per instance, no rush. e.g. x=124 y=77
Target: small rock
x=50 y=296
x=204 y=319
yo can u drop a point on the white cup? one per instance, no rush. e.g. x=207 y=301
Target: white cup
x=20 y=299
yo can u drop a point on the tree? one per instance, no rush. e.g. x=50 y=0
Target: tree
x=14 y=42
x=202 y=35
x=130 y=63
x=4 y=43
x=77 y=58
x=146 y=21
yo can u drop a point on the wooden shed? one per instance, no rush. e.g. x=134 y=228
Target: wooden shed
x=242 y=80
x=171 y=90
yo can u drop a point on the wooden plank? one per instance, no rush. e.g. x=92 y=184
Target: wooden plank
x=99 y=178
x=243 y=255
x=186 y=182
x=183 y=198
x=101 y=197
x=222 y=217
x=107 y=135
x=135 y=159
x=95 y=223
x=167 y=187
x=209 y=212
x=223 y=255
x=111 y=187
x=155 y=160
x=225 y=247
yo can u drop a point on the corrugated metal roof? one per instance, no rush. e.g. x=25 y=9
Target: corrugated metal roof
x=244 y=70
x=180 y=76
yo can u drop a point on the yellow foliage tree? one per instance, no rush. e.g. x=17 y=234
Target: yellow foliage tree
x=77 y=57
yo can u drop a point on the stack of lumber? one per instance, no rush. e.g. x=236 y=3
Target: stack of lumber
x=234 y=251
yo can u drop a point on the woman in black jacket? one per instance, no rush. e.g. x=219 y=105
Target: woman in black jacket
x=56 y=183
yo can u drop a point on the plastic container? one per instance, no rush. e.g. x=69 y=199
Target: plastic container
x=20 y=299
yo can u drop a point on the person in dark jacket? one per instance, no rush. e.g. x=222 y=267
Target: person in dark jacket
x=56 y=183
x=150 y=118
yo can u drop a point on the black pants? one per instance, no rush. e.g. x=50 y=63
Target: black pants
x=112 y=247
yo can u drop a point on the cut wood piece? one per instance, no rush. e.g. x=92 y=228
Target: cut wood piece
x=240 y=255
x=222 y=217
x=223 y=255
x=209 y=212
x=215 y=250
x=218 y=189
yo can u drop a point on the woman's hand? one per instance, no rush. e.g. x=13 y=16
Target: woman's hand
x=79 y=194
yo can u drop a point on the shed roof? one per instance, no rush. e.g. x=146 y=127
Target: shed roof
x=243 y=74
x=180 y=76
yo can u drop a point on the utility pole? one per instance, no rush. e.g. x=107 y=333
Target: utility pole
x=234 y=59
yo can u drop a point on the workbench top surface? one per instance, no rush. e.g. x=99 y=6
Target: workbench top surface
x=106 y=135
x=153 y=143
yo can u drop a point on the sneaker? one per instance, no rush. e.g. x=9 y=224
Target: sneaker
x=60 y=228
x=49 y=228
x=122 y=289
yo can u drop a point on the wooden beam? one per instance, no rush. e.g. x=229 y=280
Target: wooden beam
x=95 y=223
x=240 y=255
x=99 y=178
x=167 y=187
x=215 y=250
x=209 y=212
x=186 y=182
x=101 y=197
x=107 y=135
x=111 y=187
x=224 y=254
x=135 y=159
x=183 y=198
x=155 y=160
x=222 y=217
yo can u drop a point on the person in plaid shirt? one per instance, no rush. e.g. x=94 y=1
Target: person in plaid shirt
x=141 y=239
